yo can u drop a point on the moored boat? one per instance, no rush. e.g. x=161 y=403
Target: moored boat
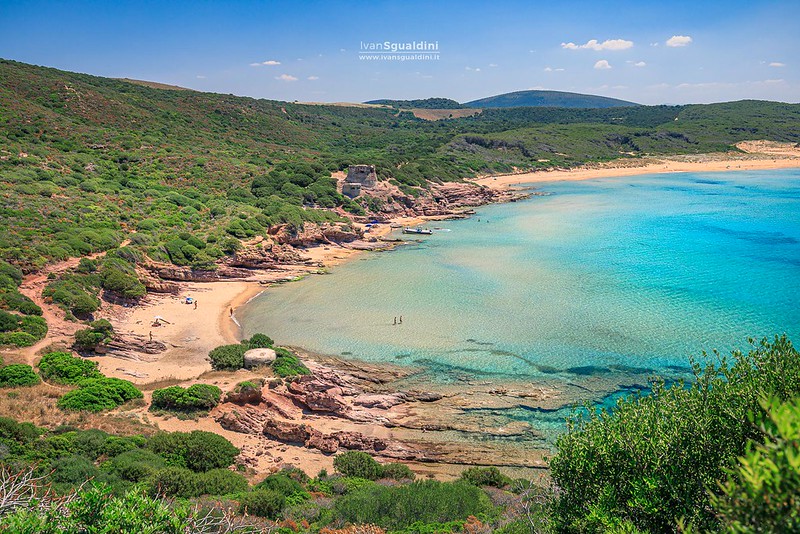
x=423 y=231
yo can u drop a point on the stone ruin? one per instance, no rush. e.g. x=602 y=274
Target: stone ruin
x=359 y=177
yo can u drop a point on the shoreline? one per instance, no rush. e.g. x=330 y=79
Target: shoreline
x=755 y=156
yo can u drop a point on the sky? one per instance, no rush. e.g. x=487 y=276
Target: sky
x=663 y=52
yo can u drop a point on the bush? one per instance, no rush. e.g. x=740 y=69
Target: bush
x=227 y=357
x=18 y=375
x=358 y=464
x=654 y=459
x=281 y=484
x=72 y=471
x=135 y=465
x=485 y=476
x=8 y=321
x=197 y=450
x=98 y=394
x=259 y=341
x=195 y=397
x=174 y=482
x=35 y=326
x=397 y=471
x=64 y=368
x=99 y=331
x=399 y=507
x=762 y=494
x=221 y=482
x=262 y=503
x=18 y=339
x=287 y=364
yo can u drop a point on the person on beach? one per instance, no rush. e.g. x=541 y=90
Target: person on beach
x=151 y=335
x=195 y=305
x=395 y=321
x=231 y=312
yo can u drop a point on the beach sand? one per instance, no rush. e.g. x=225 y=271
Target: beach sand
x=756 y=155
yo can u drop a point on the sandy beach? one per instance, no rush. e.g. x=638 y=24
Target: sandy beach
x=756 y=155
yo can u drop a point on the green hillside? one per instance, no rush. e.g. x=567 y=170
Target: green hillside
x=555 y=99
x=85 y=160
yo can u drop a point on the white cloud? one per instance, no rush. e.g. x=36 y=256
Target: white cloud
x=269 y=63
x=312 y=78
x=602 y=65
x=255 y=64
x=777 y=64
x=493 y=65
x=678 y=40
x=640 y=64
x=551 y=69
x=200 y=77
x=286 y=78
x=548 y=69
x=594 y=44
x=476 y=69
x=653 y=44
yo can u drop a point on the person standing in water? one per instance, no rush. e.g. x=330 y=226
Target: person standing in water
x=401 y=319
x=395 y=321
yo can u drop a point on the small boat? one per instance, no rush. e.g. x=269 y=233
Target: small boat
x=422 y=231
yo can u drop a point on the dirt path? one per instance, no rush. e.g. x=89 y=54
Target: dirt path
x=59 y=330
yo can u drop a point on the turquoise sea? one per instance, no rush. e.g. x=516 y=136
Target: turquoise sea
x=613 y=275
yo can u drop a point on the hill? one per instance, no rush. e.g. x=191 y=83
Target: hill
x=194 y=174
x=556 y=99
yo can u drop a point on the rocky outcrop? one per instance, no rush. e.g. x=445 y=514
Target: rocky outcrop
x=258 y=357
x=266 y=256
x=247 y=394
x=312 y=234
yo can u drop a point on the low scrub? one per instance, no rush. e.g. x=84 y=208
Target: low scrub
x=196 y=450
x=99 y=394
x=18 y=375
x=197 y=397
x=64 y=368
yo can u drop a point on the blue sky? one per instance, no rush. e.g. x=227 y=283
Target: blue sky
x=308 y=51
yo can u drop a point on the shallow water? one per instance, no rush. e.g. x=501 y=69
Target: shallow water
x=624 y=275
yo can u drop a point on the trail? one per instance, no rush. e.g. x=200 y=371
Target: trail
x=58 y=328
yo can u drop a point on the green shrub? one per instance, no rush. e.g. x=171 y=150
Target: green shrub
x=174 y=482
x=8 y=321
x=262 y=503
x=18 y=375
x=136 y=465
x=64 y=368
x=196 y=397
x=485 y=476
x=35 y=326
x=281 y=484
x=99 y=331
x=654 y=459
x=14 y=300
x=221 y=482
x=196 y=450
x=227 y=357
x=259 y=341
x=357 y=464
x=397 y=471
x=18 y=339
x=14 y=273
x=98 y=394
x=72 y=471
x=399 y=507
x=762 y=493
x=288 y=364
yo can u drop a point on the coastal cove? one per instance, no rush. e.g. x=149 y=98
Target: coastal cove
x=586 y=291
